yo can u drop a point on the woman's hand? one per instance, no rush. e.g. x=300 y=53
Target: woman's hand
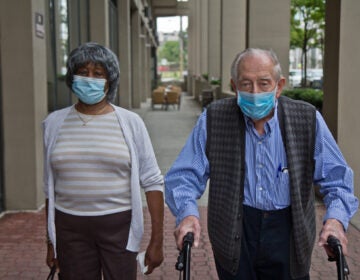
x=154 y=256
x=50 y=257
x=154 y=253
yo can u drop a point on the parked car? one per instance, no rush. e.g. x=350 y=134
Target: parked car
x=314 y=78
x=295 y=77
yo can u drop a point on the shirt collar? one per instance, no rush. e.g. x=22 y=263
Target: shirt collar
x=269 y=125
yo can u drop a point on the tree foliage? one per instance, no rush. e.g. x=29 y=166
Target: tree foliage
x=307 y=28
x=170 y=51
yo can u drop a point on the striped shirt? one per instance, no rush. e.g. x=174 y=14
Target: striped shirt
x=267 y=182
x=92 y=166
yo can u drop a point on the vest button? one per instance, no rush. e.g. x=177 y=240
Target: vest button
x=239 y=216
x=237 y=237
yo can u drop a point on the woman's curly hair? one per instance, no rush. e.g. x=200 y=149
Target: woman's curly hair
x=99 y=55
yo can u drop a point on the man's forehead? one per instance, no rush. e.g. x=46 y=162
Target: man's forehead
x=255 y=76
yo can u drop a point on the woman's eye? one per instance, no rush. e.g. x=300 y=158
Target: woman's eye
x=99 y=74
x=82 y=72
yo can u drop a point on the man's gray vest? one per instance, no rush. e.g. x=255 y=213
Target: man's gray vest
x=226 y=149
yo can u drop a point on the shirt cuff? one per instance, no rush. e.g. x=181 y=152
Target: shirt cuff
x=338 y=215
x=190 y=209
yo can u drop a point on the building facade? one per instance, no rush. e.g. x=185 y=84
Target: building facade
x=36 y=37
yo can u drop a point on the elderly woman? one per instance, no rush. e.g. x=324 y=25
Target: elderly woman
x=97 y=157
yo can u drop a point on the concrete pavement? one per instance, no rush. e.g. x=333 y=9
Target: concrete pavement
x=22 y=234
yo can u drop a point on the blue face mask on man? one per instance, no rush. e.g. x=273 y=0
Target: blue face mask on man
x=89 y=90
x=256 y=105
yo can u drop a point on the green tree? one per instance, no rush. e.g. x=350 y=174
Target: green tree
x=170 y=51
x=184 y=37
x=307 y=29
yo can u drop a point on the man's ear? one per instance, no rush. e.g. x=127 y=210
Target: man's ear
x=233 y=85
x=280 y=87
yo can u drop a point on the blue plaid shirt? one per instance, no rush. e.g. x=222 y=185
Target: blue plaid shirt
x=266 y=178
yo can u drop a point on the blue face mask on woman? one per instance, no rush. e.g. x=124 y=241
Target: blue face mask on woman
x=256 y=105
x=89 y=90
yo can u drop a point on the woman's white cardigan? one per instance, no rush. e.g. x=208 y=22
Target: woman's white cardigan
x=145 y=172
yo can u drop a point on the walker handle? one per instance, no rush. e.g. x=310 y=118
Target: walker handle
x=341 y=264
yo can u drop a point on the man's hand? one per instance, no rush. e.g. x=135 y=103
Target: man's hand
x=188 y=224
x=335 y=228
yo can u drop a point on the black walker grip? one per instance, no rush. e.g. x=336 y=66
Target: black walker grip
x=341 y=264
x=183 y=261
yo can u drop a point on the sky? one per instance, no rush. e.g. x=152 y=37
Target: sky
x=170 y=24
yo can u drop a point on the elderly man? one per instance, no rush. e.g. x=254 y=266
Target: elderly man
x=262 y=153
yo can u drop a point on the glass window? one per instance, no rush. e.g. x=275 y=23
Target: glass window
x=113 y=26
x=59 y=95
x=63 y=36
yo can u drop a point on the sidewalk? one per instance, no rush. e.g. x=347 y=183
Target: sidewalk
x=22 y=235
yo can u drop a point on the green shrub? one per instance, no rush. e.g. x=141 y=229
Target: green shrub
x=215 y=81
x=312 y=96
x=205 y=76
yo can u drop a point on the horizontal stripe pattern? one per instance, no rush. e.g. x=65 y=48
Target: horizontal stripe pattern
x=92 y=166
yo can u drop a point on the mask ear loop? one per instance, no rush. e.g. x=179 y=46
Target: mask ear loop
x=106 y=87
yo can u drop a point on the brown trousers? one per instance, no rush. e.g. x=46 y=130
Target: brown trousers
x=94 y=247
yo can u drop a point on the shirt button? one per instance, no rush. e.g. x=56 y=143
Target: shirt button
x=260 y=188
